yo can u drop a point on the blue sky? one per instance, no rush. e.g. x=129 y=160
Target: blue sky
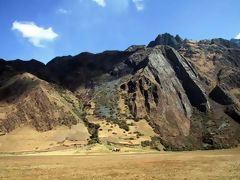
x=43 y=29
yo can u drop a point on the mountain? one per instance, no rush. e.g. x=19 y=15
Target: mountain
x=167 y=39
x=173 y=94
x=236 y=41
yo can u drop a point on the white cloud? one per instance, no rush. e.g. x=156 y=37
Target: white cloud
x=237 y=36
x=101 y=3
x=35 y=34
x=138 y=4
x=64 y=11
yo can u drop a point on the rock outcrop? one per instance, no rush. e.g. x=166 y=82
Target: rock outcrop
x=167 y=39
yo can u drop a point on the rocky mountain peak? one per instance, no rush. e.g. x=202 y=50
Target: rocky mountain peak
x=167 y=39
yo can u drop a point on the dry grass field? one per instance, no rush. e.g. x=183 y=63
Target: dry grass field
x=28 y=139
x=220 y=164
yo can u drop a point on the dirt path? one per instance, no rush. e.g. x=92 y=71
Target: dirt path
x=222 y=164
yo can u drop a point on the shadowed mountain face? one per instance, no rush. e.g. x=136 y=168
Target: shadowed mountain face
x=167 y=39
x=187 y=92
x=236 y=41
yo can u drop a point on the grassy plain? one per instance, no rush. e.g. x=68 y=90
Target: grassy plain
x=218 y=164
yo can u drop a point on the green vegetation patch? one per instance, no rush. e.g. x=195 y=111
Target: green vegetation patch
x=107 y=106
x=155 y=143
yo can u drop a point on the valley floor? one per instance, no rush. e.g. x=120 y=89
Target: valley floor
x=218 y=164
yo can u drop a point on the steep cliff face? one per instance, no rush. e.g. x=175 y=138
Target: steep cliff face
x=156 y=94
x=217 y=63
x=186 y=91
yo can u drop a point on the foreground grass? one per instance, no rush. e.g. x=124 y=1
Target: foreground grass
x=222 y=164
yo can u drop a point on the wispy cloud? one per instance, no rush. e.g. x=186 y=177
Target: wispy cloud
x=237 y=36
x=35 y=34
x=63 y=11
x=138 y=4
x=101 y=3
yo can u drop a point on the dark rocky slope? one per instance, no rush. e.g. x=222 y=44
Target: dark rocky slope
x=236 y=41
x=188 y=91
